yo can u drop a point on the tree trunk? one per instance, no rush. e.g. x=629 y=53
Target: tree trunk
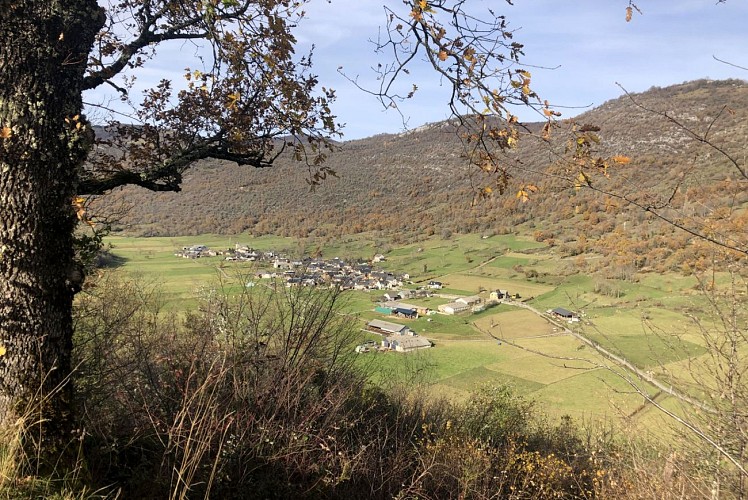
x=44 y=47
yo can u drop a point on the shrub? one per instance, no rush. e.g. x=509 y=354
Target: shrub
x=256 y=395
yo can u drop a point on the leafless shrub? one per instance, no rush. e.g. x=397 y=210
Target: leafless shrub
x=256 y=394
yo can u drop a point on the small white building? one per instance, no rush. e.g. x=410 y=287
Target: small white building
x=281 y=264
x=470 y=301
x=406 y=344
x=453 y=308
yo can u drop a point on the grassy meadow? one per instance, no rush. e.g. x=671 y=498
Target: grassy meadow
x=558 y=371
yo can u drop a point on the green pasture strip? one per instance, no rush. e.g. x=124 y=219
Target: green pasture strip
x=432 y=365
x=490 y=310
x=509 y=261
x=460 y=253
x=432 y=302
x=425 y=262
x=448 y=290
x=178 y=278
x=647 y=350
x=654 y=425
x=443 y=326
x=480 y=376
x=213 y=241
x=668 y=283
x=507 y=322
x=547 y=264
x=497 y=273
x=473 y=284
x=594 y=393
x=646 y=320
x=463 y=355
x=567 y=294
x=366 y=316
x=516 y=243
x=360 y=301
x=698 y=376
x=548 y=359
x=351 y=248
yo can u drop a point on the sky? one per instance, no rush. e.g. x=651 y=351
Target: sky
x=587 y=42
x=578 y=51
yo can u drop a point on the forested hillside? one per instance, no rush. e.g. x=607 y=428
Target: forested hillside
x=419 y=183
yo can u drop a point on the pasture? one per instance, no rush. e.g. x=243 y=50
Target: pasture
x=539 y=360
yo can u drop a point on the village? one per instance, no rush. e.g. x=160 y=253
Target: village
x=362 y=275
x=307 y=271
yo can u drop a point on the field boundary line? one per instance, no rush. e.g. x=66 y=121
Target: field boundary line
x=619 y=360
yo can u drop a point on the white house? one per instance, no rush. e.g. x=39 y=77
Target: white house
x=453 y=308
x=406 y=344
x=470 y=301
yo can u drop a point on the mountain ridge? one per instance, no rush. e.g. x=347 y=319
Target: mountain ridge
x=417 y=184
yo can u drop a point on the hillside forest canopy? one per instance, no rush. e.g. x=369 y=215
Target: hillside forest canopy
x=251 y=101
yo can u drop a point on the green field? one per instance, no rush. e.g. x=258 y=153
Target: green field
x=562 y=374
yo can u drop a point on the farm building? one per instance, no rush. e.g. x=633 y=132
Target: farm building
x=499 y=295
x=478 y=308
x=470 y=301
x=453 y=308
x=406 y=344
x=387 y=328
x=393 y=304
x=560 y=312
x=405 y=312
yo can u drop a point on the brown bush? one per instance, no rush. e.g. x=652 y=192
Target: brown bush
x=256 y=395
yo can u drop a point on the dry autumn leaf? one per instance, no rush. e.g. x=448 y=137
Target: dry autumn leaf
x=233 y=99
x=5 y=133
x=621 y=160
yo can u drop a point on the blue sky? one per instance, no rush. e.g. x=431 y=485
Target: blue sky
x=587 y=42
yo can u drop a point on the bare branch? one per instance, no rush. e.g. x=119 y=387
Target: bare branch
x=729 y=63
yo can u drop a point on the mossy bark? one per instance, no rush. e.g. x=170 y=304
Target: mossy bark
x=44 y=47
